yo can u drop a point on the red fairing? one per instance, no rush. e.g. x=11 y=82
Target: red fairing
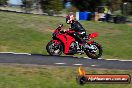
x=67 y=40
x=93 y=35
x=56 y=41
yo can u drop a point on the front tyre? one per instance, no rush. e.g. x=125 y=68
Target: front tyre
x=94 y=51
x=54 y=48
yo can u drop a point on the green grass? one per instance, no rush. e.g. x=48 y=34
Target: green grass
x=31 y=33
x=50 y=77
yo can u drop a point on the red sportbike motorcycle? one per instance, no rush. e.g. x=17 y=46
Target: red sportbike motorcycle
x=63 y=42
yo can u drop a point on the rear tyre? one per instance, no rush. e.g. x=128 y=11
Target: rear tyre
x=95 y=51
x=54 y=49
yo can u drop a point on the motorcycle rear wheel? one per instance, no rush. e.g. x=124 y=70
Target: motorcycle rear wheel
x=94 y=55
x=54 y=49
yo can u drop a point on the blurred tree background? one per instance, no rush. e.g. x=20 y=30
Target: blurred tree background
x=27 y=5
x=86 y=5
x=90 y=5
x=51 y=5
x=55 y=6
x=3 y=2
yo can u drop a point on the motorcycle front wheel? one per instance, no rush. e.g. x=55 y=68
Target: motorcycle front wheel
x=94 y=51
x=54 y=49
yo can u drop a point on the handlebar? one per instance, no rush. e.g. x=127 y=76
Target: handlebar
x=59 y=30
x=61 y=25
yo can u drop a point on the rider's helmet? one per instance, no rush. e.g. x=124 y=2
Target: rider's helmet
x=70 y=18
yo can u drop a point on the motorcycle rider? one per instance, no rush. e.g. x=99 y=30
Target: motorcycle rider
x=80 y=32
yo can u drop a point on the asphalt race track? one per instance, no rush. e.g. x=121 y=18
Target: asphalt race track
x=64 y=61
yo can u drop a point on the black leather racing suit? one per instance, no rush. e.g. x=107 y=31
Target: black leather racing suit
x=79 y=33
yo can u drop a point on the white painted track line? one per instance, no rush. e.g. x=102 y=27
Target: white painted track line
x=6 y=52
x=22 y=53
x=93 y=65
x=90 y=58
x=59 y=63
x=14 y=53
x=99 y=58
x=112 y=59
x=125 y=60
x=86 y=57
x=73 y=56
x=77 y=64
